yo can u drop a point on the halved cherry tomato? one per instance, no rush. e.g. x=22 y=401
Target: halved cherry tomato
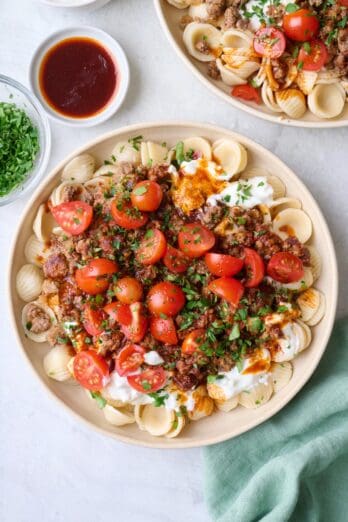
x=128 y=290
x=193 y=341
x=163 y=330
x=91 y=370
x=119 y=313
x=147 y=195
x=227 y=288
x=285 y=267
x=255 y=268
x=223 y=264
x=246 y=92
x=313 y=55
x=129 y=359
x=94 y=277
x=269 y=42
x=127 y=216
x=73 y=216
x=92 y=320
x=148 y=381
x=195 y=239
x=175 y=260
x=344 y=3
x=152 y=247
x=165 y=298
x=301 y=25
x=136 y=330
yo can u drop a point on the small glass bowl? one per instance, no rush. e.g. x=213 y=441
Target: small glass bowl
x=12 y=91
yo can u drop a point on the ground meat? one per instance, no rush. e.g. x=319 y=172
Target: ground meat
x=215 y=8
x=56 y=266
x=68 y=290
x=190 y=370
x=213 y=71
x=231 y=16
x=55 y=334
x=106 y=244
x=149 y=342
x=82 y=247
x=276 y=12
x=293 y=245
x=38 y=320
x=341 y=61
x=205 y=319
x=146 y=274
x=169 y=353
x=247 y=219
x=210 y=215
x=185 y=381
x=223 y=364
x=280 y=69
x=268 y=244
x=342 y=40
x=158 y=172
x=49 y=287
x=76 y=192
x=109 y=341
x=202 y=47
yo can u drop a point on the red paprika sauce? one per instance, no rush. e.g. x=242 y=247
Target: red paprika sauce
x=78 y=77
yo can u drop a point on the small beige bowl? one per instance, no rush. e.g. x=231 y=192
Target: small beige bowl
x=169 y=17
x=220 y=426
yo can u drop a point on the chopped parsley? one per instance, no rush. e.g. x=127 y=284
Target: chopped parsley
x=158 y=398
x=98 y=399
x=135 y=142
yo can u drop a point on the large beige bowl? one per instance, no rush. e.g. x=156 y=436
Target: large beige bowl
x=219 y=426
x=169 y=17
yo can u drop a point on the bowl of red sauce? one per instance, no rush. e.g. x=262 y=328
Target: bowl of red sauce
x=80 y=75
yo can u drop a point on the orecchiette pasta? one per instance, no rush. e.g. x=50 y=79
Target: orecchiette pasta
x=56 y=363
x=29 y=282
x=79 y=169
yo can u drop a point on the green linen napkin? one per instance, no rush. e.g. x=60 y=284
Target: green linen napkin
x=293 y=467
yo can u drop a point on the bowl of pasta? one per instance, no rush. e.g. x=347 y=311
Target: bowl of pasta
x=173 y=284
x=280 y=61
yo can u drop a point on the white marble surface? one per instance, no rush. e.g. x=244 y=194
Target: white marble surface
x=51 y=467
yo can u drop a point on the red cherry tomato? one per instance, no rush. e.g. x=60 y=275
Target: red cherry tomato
x=163 y=330
x=175 y=260
x=285 y=267
x=269 y=42
x=152 y=248
x=195 y=239
x=119 y=313
x=136 y=330
x=127 y=216
x=73 y=216
x=313 y=55
x=148 y=381
x=91 y=370
x=344 y=3
x=94 y=277
x=246 y=92
x=147 y=195
x=255 y=268
x=165 y=298
x=128 y=290
x=227 y=288
x=223 y=264
x=92 y=320
x=193 y=341
x=301 y=25
x=129 y=359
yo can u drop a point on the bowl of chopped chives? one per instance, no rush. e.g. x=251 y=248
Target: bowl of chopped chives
x=25 y=140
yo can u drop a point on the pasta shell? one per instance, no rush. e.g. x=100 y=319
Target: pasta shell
x=305 y=282
x=79 y=169
x=242 y=67
x=228 y=405
x=144 y=154
x=177 y=427
x=43 y=224
x=58 y=194
x=281 y=374
x=179 y=4
x=199 y=11
x=315 y=262
x=286 y=349
x=257 y=396
x=326 y=77
x=196 y=32
x=158 y=154
x=306 y=80
x=292 y=102
x=29 y=282
x=155 y=420
x=326 y=100
x=34 y=251
x=37 y=337
x=308 y=302
x=117 y=417
x=124 y=151
x=204 y=404
x=276 y=183
x=113 y=402
x=265 y=212
x=236 y=39
x=199 y=145
x=293 y=222
x=307 y=333
x=56 y=362
x=98 y=183
x=231 y=155
x=228 y=76
x=291 y=75
x=282 y=203
x=106 y=170
x=268 y=98
x=319 y=313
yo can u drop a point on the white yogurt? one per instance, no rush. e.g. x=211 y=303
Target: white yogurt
x=153 y=358
x=189 y=167
x=119 y=389
x=173 y=402
x=290 y=344
x=254 y=21
x=244 y=193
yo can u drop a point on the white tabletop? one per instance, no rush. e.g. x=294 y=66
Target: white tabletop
x=51 y=467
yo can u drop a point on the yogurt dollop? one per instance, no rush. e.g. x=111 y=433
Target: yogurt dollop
x=244 y=193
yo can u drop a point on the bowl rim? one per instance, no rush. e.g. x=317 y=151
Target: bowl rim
x=112 y=46
x=70 y=3
x=325 y=124
x=45 y=137
x=330 y=313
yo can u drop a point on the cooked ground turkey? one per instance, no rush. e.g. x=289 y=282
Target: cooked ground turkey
x=38 y=320
x=56 y=267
